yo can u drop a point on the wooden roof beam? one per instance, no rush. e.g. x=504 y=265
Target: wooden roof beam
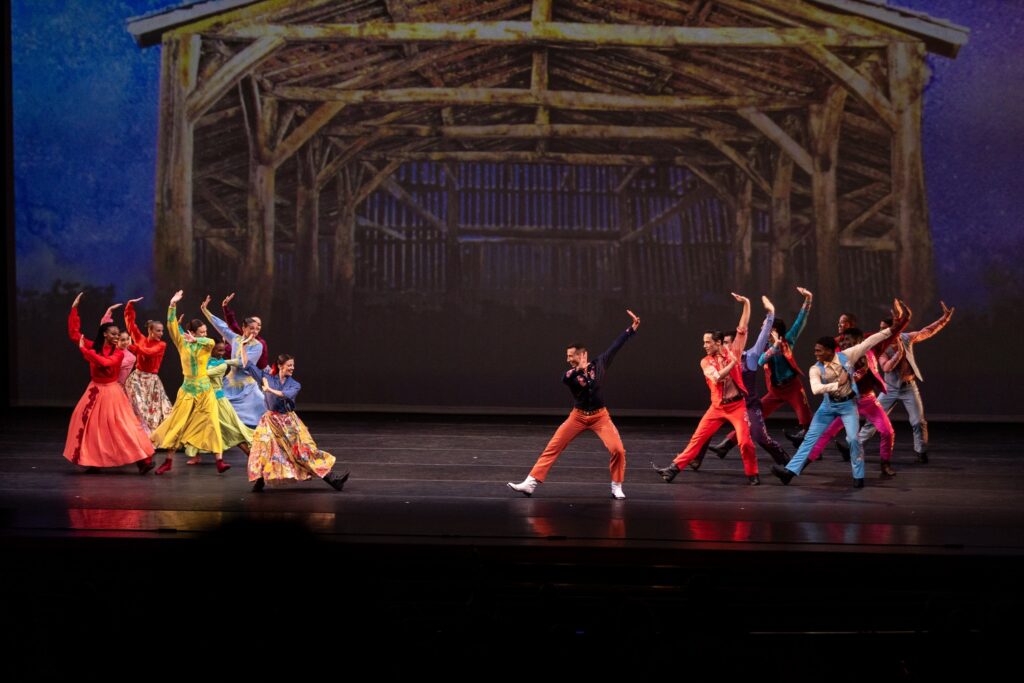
x=395 y=189
x=779 y=136
x=867 y=215
x=525 y=131
x=554 y=34
x=228 y=76
x=553 y=99
x=731 y=153
x=852 y=80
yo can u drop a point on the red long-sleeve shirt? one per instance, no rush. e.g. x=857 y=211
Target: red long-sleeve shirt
x=149 y=353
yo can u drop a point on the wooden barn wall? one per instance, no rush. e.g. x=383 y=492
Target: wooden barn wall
x=543 y=236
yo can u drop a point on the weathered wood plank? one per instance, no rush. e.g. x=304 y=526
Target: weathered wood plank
x=173 y=244
x=907 y=74
x=685 y=203
x=228 y=76
x=309 y=127
x=780 y=137
x=856 y=83
x=867 y=215
x=553 y=99
x=556 y=34
x=824 y=127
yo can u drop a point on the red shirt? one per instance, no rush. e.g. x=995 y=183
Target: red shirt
x=149 y=352
x=735 y=375
x=104 y=369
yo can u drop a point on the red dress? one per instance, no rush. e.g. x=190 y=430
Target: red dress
x=104 y=431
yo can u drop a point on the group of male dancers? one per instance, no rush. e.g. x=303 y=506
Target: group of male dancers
x=857 y=376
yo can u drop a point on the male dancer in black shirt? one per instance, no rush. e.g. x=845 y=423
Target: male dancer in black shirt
x=584 y=381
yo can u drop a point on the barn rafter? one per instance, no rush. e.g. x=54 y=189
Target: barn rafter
x=804 y=111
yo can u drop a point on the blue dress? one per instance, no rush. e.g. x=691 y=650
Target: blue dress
x=241 y=390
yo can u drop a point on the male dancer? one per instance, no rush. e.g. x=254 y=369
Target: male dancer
x=722 y=373
x=783 y=376
x=869 y=385
x=750 y=372
x=831 y=377
x=901 y=378
x=584 y=380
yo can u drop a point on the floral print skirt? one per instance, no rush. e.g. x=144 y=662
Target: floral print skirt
x=148 y=397
x=283 y=449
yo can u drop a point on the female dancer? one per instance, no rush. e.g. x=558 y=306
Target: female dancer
x=282 y=447
x=241 y=390
x=104 y=431
x=143 y=386
x=232 y=431
x=193 y=420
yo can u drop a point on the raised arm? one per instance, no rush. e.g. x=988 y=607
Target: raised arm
x=900 y=319
x=74 y=322
x=221 y=326
x=173 y=330
x=606 y=358
x=739 y=340
x=854 y=353
x=229 y=315
x=751 y=358
x=933 y=329
x=129 y=321
x=801 y=319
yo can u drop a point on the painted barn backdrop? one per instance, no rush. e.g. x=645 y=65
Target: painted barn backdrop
x=427 y=200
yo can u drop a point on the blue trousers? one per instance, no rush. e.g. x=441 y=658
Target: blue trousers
x=823 y=417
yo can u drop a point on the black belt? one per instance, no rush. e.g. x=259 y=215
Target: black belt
x=844 y=399
x=726 y=401
x=589 y=413
x=785 y=382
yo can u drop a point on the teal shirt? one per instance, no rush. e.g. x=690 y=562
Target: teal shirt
x=778 y=366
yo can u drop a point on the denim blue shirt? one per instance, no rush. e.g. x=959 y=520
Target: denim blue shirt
x=289 y=387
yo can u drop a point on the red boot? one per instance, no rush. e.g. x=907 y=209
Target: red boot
x=165 y=467
x=222 y=466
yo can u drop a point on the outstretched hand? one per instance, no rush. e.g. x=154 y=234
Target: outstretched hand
x=227 y=300
x=206 y=302
x=947 y=312
x=636 y=319
x=768 y=305
x=177 y=297
x=739 y=297
x=135 y=301
x=74 y=304
x=81 y=341
x=111 y=308
x=805 y=293
x=189 y=337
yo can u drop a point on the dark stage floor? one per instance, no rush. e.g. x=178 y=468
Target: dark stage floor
x=443 y=479
x=426 y=545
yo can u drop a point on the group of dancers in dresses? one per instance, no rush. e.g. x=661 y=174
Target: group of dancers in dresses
x=857 y=375
x=231 y=395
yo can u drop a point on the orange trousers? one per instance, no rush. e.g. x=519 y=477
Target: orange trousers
x=601 y=424
x=734 y=413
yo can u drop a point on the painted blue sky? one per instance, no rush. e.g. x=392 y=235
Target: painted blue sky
x=85 y=116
